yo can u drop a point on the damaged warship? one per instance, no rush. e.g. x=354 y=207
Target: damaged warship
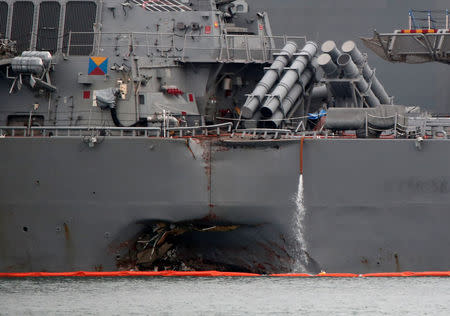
x=184 y=135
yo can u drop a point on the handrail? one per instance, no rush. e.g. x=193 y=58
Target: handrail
x=141 y=40
x=20 y=128
x=205 y=128
x=122 y=130
x=414 y=34
x=264 y=132
x=91 y=135
x=64 y=131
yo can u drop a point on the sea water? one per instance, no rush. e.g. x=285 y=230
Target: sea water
x=225 y=296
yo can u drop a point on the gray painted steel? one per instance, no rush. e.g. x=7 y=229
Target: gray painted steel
x=3 y=16
x=375 y=199
x=47 y=36
x=22 y=24
x=364 y=213
x=80 y=17
x=290 y=77
x=369 y=205
x=290 y=99
x=382 y=117
x=351 y=19
x=267 y=82
x=77 y=217
x=351 y=71
x=350 y=48
x=329 y=47
x=328 y=66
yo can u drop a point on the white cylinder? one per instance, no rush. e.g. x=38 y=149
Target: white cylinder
x=289 y=79
x=350 y=48
x=330 y=48
x=44 y=55
x=270 y=77
x=349 y=67
x=33 y=65
x=328 y=66
x=294 y=94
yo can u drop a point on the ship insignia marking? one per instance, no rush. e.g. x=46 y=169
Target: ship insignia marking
x=98 y=66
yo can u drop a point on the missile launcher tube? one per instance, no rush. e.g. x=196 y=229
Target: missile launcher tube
x=254 y=122
x=330 y=48
x=328 y=66
x=351 y=71
x=350 y=48
x=292 y=97
x=289 y=79
x=270 y=77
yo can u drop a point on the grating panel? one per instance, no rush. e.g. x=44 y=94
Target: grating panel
x=80 y=17
x=3 y=18
x=22 y=24
x=47 y=38
x=162 y=5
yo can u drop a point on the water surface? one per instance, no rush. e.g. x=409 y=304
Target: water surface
x=225 y=296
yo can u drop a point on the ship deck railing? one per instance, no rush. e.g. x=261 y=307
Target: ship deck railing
x=93 y=131
x=431 y=128
x=262 y=133
x=244 y=48
x=223 y=129
x=205 y=130
x=68 y=131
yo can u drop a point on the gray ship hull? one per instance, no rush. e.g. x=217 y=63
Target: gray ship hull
x=81 y=206
x=368 y=205
x=377 y=205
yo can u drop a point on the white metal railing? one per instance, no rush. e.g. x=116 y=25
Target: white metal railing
x=262 y=132
x=58 y=131
x=204 y=130
x=228 y=46
x=13 y=131
x=91 y=135
x=168 y=132
x=71 y=131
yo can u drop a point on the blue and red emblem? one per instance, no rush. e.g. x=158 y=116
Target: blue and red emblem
x=98 y=66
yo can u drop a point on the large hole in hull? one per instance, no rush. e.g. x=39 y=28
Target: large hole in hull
x=207 y=245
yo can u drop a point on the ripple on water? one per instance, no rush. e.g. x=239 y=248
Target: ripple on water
x=230 y=296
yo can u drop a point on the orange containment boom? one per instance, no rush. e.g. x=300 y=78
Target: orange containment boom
x=219 y=274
